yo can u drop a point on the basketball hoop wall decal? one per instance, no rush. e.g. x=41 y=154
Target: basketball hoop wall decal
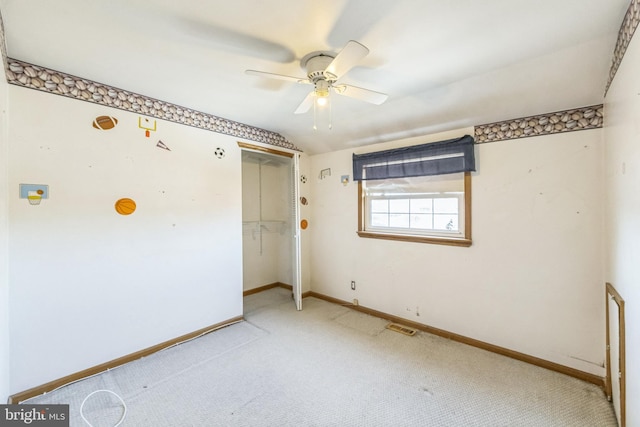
x=35 y=197
x=125 y=206
x=34 y=193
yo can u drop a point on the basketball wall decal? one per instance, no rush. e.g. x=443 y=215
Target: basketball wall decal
x=125 y=206
x=105 y=122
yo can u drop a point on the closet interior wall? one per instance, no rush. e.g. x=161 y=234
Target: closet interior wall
x=266 y=220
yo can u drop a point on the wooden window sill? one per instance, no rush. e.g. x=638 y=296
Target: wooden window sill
x=417 y=239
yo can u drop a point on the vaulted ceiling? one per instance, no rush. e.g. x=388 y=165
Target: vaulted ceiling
x=444 y=64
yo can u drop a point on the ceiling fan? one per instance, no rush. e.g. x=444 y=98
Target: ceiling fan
x=323 y=71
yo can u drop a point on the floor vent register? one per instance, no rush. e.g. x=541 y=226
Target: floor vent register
x=402 y=329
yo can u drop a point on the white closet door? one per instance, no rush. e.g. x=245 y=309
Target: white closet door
x=295 y=232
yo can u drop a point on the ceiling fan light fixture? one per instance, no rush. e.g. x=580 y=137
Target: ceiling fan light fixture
x=322 y=102
x=324 y=69
x=321 y=92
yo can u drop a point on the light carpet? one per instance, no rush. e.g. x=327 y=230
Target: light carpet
x=330 y=366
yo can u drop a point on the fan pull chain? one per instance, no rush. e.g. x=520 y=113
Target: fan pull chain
x=315 y=114
x=330 y=111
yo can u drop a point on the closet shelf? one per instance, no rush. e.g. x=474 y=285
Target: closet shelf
x=277 y=221
x=265 y=226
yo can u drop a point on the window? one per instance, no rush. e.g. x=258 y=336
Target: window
x=431 y=209
x=419 y=194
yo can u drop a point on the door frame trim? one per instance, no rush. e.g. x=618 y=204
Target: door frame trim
x=297 y=257
x=264 y=149
x=612 y=294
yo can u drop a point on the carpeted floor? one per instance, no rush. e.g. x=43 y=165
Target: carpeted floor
x=330 y=366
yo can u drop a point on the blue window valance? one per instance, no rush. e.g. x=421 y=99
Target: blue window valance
x=434 y=158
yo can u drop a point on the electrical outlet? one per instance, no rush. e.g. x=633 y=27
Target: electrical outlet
x=355 y=301
x=353 y=285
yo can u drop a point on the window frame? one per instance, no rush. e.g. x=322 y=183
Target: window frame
x=464 y=241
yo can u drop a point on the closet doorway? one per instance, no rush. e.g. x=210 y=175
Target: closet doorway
x=270 y=218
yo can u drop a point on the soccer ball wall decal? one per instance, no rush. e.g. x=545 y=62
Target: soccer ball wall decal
x=219 y=152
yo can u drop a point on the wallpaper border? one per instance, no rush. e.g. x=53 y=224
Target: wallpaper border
x=542 y=124
x=627 y=29
x=3 y=44
x=32 y=76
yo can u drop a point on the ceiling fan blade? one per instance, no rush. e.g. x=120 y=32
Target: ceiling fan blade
x=303 y=80
x=212 y=36
x=348 y=58
x=361 y=94
x=306 y=104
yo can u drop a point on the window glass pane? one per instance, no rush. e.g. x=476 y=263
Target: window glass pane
x=421 y=206
x=421 y=221
x=379 y=206
x=379 y=220
x=415 y=206
x=445 y=205
x=445 y=222
x=399 y=220
x=399 y=205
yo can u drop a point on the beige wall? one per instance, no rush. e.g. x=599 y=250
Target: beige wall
x=531 y=281
x=4 y=245
x=622 y=214
x=89 y=285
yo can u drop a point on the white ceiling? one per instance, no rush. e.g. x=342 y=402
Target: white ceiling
x=444 y=64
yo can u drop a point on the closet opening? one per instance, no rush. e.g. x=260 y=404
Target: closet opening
x=270 y=232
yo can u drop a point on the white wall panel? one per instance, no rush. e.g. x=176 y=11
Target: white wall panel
x=89 y=285
x=532 y=280
x=4 y=245
x=622 y=224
